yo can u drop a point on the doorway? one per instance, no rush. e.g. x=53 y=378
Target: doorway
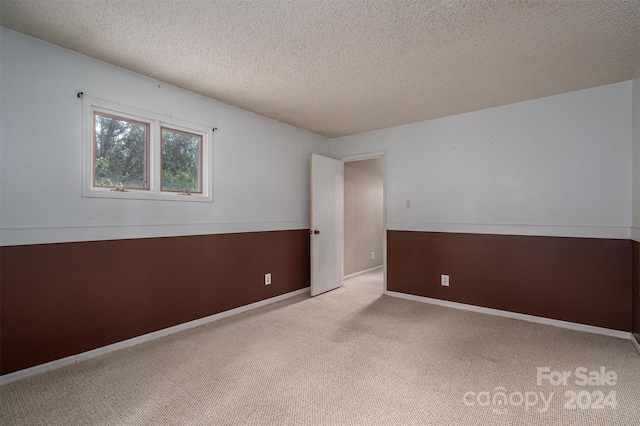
x=364 y=215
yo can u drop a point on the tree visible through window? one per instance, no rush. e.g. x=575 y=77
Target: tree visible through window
x=181 y=161
x=120 y=152
x=131 y=153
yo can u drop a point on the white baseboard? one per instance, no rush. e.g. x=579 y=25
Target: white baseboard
x=18 y=375
x=513 y=315
x=635 y=343
x=357 y=274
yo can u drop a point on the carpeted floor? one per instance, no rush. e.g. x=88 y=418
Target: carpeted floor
x=349 y=357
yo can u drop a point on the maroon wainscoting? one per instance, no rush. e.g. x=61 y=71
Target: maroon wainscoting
x=636 y=290
x=581 y=280
x=63 y=299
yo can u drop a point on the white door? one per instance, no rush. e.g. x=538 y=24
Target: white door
x=327 y=223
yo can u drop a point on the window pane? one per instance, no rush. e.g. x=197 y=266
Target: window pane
x=120 y=152
x=181 y=161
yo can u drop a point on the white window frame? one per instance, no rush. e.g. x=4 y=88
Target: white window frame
x=156 y=122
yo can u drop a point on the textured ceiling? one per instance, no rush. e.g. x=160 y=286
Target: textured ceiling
x=339 y=67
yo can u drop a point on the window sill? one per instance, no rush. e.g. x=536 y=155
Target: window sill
x=146 y=195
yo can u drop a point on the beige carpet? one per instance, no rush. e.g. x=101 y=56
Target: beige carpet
x=348 y=357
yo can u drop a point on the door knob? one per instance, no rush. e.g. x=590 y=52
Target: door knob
x=316 y=232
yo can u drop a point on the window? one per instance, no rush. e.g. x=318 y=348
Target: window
x=121 y=147
x=181 y=161
x=141 y=155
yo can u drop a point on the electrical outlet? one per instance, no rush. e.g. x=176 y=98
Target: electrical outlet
x=444 y=280
x=267 y=278
x=373 y=255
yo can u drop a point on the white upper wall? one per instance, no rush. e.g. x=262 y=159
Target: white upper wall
x=559 y=165
x=635 y=232
x=261 y=166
